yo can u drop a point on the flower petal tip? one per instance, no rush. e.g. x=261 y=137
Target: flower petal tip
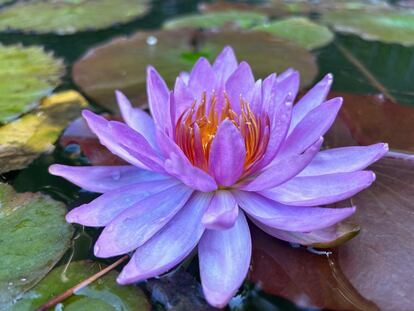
x=217 y=299
x=123 y=279
x=55 y=169
x=329 y=78
x=373 y=177
x=88 y=115
x=97 y=251
x=71 y=217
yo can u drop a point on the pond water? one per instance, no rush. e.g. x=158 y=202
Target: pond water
x=372 y=63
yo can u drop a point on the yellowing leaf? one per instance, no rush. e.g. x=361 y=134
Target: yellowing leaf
x=21 y=141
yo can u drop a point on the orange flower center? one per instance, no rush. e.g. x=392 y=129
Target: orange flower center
x=197 y=127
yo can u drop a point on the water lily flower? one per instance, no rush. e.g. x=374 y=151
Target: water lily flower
x=219 y=148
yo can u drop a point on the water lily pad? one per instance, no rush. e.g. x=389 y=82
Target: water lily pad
x=115 y=65
x=23 y=140
x=370 y=272
x=368 y=120
x=103 y=294
x=300 y=30
x=78 y=133
x=33 y=237
x=69 y=16
x=26 y=75
x=228 y=18
x=384 y=25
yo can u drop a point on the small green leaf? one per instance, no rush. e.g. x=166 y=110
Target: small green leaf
x=69 y=16
x=103 y=294
x=33 y=237
x=390 y=26
x=300 y=30
x=233 y=18
x=23 y=140
x=26 y=75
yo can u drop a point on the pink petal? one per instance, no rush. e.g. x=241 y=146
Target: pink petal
x=343 y=160
x=254 y=98
x=137 y=119
x=180 y=167
x=158 y=98
x=224 y=257
x=225 y=64
x=137 y=224
x=313 y=126
x=278 y=131
x=136 y=145
x=101 y=211
x=289 y=218
x=283 y=169
x=170 y=245
x=100 y=126
x=104 y=178
x=320 y=190
x=287 y=83
x=202 y=79
x=222 y=211
x=183 y=97
x=227 y=154
x=239 y=85
x=311 y=100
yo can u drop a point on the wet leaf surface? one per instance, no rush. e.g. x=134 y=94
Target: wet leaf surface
x=26 y=75
x=300 y=30
x=116 y=66
x=388 y=26
x=33 y=237
x=69 y=16
x=23 y=140
x=365 y=119
x=228 y=18
x=103 y=294
x=368 y=272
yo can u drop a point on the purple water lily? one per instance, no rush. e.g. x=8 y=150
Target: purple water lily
x=220 y=146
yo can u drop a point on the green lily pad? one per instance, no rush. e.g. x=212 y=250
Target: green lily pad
x=300 y=30
x=383 y=25
x=26 y=75
x=23 y=140
x=306 y=7
x=232 y=18
x=103 y=294
x=33 y=237
x=69 y=16
x=115 y=65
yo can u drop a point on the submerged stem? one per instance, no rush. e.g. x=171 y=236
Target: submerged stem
x=368 y=75
x=81 y=285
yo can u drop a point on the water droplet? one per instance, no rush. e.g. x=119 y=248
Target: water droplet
x=23 y=280
x=116 y=175
x=10 y=284
x=96 y=249
x=152 y=40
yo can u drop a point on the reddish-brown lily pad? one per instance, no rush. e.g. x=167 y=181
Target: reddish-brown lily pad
x=368 y=119
x=79 y=133
x=371 y=272
x=121 y=64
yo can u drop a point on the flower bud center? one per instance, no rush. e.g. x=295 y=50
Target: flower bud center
x=197 y=126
